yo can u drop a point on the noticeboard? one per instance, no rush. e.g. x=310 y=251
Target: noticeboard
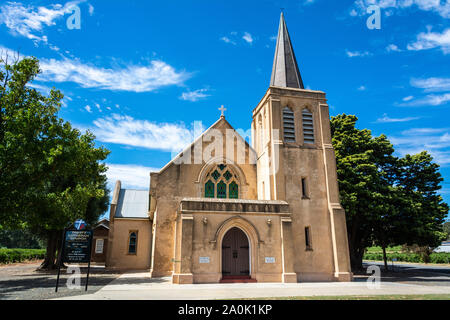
x=77 y=246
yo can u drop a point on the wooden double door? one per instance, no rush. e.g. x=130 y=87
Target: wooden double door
x=235 y=253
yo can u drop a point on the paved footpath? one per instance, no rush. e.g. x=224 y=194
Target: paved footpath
x=139 y=286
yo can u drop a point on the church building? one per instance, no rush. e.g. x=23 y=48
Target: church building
x=225 y=211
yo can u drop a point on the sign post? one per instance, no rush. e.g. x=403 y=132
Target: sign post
x=76 y=248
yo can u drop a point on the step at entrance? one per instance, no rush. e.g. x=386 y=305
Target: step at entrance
x=237 y=279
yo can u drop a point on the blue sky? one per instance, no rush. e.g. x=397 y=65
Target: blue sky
x=140 y=73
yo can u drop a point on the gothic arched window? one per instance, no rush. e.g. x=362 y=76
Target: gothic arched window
x=132 y=243
x=288 y=125
x=308 y=126
x=222 y=183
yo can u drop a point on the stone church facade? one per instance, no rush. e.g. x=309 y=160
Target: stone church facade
x=229 y=211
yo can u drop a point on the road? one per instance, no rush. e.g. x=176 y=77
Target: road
x=411 y=273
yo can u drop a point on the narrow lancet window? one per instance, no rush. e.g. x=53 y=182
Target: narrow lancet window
x=304 y=189
x=308 y=238
x=221 y=190
x=233 y=190
x=132 y=243
x=209 y=189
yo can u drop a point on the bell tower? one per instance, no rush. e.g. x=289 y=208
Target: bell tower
x=296 y=163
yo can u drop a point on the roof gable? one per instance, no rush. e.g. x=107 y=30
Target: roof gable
x=220 y=124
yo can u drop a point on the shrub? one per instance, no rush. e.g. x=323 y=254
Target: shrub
x=440 y=257
x=20 y=255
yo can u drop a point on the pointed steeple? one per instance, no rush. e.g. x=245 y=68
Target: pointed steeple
x=285 y=72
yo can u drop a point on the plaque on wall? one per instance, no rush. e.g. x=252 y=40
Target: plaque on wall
x=204 y=259
x=270 y=259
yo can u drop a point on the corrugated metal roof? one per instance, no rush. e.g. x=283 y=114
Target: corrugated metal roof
x=132 y=204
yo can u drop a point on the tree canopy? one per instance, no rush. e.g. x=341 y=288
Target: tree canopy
x=388 y=200
x=50 y=173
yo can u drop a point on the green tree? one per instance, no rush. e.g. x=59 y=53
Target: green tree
x=388 y=201
x=50 y=173
x=363 y=163
x=420 y=181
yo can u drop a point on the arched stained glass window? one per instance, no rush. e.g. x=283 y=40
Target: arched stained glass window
x=221 y=190
x=132 y=243
x=222 y=182
x=209 y=189
x=233 y=191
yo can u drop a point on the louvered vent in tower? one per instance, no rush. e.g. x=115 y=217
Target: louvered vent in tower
x=288 y=125
x=308 y=127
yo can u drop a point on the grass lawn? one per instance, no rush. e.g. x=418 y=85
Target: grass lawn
x=396 y=249
x=377 y=297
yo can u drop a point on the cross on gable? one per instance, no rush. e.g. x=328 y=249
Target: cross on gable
x=222 y=109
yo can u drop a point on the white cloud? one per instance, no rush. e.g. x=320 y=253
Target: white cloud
x=248 y=37
x=423 y=131
x=429 y=100
x=43 y=89
x=434 y=140
x=352 y=54
x=131 y=176
x=393 y=48
x=134 y=78
x=228 y=40
x=233 y=38
x=408 y=98
x=195 y=95
x=362 y=88
x=430 y=40
x=29 y=21
x=432 y=84
x=88 y=108
x=440 y=7
x=125 y=130
x=429 y=85
x=387 y=119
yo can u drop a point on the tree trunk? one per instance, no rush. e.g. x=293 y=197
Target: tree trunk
x=59 y=240
x=50 y=254
x=385 y=258
x=356 y=258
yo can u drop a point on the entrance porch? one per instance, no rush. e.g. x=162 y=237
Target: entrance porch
x=225 y=240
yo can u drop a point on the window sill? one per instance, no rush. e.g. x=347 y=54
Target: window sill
x=309 y=249
x=306 y=198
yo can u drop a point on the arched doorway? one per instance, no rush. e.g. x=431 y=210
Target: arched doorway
x=235 y=254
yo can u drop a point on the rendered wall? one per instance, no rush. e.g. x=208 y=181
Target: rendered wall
x=119 y=258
